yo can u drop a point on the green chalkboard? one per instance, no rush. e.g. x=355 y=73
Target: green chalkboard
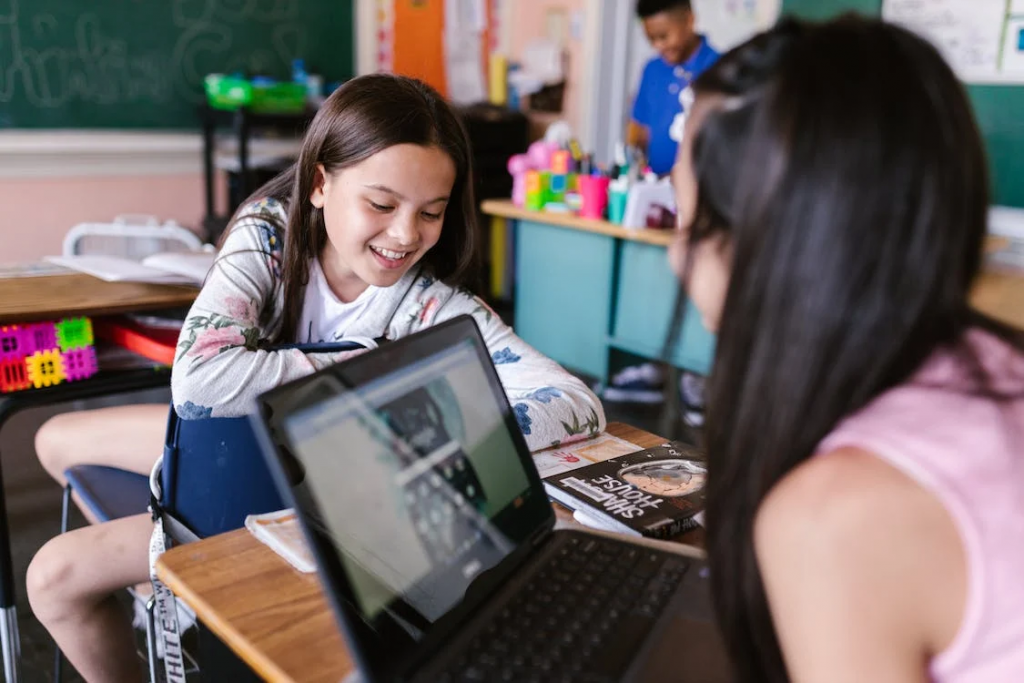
x=999 y=109
x=140 y=63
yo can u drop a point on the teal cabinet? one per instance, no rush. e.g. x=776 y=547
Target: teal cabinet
x=563 y=297
x=644 y=296
x=581 y=294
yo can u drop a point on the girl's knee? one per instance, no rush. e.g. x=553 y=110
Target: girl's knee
x=54 y=442
x=50 y=580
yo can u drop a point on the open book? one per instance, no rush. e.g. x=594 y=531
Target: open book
x=281 y=532
x=169 y=268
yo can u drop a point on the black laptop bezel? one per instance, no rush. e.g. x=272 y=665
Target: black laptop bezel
x=534 y=519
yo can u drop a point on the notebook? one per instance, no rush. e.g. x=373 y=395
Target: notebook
x=170 y=268
x=435 y=541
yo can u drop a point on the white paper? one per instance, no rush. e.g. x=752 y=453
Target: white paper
x=119 y=269
x=542 y=60
x=575 y=455
x=194 y=265
x=34 y=269
x=464 y=22
x=727 y=23
x=981 y=39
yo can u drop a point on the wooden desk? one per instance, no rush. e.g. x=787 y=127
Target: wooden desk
x=48 y=298
x=273 y=616
x=57 y=296
x=1000 y=295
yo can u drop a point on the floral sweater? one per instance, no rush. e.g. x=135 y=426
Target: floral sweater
x=220 y=369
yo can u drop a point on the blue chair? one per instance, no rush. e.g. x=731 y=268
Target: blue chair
x=213 y=476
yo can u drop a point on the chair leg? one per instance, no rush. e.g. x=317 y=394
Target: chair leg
x=65 y=511
x=151 y=637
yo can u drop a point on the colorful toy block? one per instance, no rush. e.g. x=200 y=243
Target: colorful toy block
x=45 y=354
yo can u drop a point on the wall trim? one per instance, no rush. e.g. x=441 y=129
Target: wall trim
x=26 y=154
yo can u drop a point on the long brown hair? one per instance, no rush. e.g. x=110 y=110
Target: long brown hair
x=364 y=116
x=844 y=164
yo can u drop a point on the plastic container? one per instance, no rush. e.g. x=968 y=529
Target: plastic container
x=617 y=199
x=227 y=92
x=155 y=343
x=278 y=98
x=261 y=95
x=593 y=190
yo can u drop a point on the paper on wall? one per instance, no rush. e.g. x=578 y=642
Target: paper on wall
x=983 y=40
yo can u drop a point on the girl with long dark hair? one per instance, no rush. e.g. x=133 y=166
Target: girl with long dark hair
x=865 y=428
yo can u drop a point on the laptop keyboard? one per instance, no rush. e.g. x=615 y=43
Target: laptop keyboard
x=581 y=618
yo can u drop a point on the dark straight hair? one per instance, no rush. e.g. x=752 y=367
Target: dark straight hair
x=364 y=116
x=843 y=163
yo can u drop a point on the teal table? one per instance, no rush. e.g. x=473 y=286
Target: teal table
x=585 y=288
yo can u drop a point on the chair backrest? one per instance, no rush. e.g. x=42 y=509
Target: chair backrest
x=133 y=237
x=214 y=473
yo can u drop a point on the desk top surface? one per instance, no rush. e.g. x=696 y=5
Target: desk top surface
x=273 y=616
x=506 y=209
x=58 y=296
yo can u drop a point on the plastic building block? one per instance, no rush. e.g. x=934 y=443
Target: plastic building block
x=45 y=368
x=10 y=343
x=38 y=337
x=79 y=363
x=13 y=375
x=74 y=333
x=47 y=353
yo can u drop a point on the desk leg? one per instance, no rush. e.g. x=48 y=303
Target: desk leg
x=9 y=639
x=11 y=644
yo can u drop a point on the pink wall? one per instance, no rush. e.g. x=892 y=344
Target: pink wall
x=529 y=22
x=39 y=211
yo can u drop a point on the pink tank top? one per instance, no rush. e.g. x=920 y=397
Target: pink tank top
x=968 y=451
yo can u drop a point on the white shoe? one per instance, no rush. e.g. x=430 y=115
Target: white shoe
x=647 y=375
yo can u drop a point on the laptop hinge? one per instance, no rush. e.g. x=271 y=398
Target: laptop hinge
x=540 y=536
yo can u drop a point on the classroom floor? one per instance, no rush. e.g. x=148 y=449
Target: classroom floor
x=34 y=501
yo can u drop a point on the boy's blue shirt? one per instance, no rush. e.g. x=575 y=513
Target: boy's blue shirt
x=657 y=101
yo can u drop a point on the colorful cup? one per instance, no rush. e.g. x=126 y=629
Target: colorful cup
x=593 y=190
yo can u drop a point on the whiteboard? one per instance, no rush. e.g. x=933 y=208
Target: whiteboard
x=727 y=23
x=983 y=40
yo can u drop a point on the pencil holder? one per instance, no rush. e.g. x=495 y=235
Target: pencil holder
x=37 y=355
x=593 y=195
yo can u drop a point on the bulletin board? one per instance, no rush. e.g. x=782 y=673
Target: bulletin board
x=445 y=43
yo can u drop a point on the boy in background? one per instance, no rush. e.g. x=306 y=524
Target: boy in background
x=683 y=55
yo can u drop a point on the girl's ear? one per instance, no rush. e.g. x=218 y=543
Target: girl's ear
x=318 y=195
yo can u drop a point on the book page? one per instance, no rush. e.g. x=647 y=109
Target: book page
x=566 y=458
x=194 y=265
x=118 y=269
x=281 y=532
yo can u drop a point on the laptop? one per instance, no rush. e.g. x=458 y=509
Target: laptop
x=436 y=544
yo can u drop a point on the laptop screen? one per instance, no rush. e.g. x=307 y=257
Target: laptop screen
x=415 y=486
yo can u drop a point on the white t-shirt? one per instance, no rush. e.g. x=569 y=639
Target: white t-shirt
x=324 y=317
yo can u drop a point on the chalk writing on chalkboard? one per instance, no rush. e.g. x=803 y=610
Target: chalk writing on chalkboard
x=56 y=55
